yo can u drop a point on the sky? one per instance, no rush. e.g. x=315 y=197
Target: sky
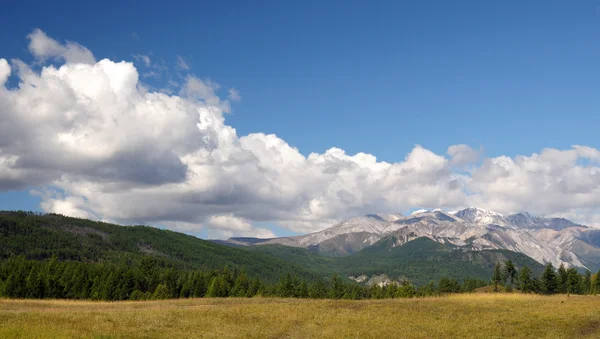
x=272 y=118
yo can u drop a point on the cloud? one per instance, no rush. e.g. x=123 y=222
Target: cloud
x=462 y=154
x=96 y=143
x=546 y=183
x=234 y=95
x=231 y=225
x=4 y=71
x=44 y=47
x=182 y=64
x=143 y=58
x=150 y=74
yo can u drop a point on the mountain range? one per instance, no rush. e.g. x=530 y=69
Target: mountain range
x=418 y=259
x=546 y=240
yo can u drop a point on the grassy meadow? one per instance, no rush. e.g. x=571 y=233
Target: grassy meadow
x=467 y=315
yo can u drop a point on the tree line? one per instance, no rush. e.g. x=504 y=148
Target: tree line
x=563 y=280
x=152 y=279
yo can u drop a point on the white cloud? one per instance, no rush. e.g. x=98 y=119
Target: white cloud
x=44 y=47
x=462 y=154
x=234 y=95
x=224 y=226
x=144 y=59
x=4 y=71
x=100 y=145
x=182 y=64
x=150 y=74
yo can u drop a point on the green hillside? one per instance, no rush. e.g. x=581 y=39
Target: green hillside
x=43 y=236
x=419 y=261
x=423 y=259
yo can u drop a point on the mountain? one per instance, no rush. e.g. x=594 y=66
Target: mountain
x=554 y=240
x=40 y=237
x=342 y=239
x=416 y=258
x=419 y=260
x=422 y=260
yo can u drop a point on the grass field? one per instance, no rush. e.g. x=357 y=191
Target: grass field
x=474 y=315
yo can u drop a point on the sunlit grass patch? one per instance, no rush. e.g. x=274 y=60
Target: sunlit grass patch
x=463 y=315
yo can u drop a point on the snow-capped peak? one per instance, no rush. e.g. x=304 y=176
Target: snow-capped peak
x=477 y=215
x=419 y=211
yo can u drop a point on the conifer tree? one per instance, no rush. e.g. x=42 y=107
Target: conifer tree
x=525 y=281
x=217 y=288
x=161 y=292
x=510 y=272
x=496 y=277
x=303 y=290
x=286 y=286
x=586 y=282
x=336 y=290
x=548 y=281
x=596 y=283
x=317 y=290
x=573 y=281
x=562 y=277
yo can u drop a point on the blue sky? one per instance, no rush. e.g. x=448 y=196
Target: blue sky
x=510 y=77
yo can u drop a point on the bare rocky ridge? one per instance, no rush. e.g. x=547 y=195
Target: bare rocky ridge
x=554 y=240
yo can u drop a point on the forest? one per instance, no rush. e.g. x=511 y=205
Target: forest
x=155 y=279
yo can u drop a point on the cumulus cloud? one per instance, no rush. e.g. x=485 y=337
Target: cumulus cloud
x=44 y=47
x=462 y=154
x=4 y=71
x=98 y=144
x=549 y=182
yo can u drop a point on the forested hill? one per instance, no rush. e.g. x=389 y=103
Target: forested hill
x=41 y=237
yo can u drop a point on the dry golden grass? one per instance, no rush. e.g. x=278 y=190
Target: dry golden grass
x=458 y=316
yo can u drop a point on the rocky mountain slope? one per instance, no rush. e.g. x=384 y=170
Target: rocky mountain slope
x=554 y=240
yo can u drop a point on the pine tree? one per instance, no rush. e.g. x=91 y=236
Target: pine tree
x=548 y=282
x=317 y=290
x=303 y=290
x=496 y=277
x=240 y=285
x=357 y=292
x=406 y=290
x=596 y=283
x=562 y=277
x=35 y=284
x=161 y=292
x=390 y=290
x=253 y=288
x=586 y=282
x=336 y=291
x=286 y=287
x=377 y=292
x=573 y=281
x=217 y=287
x=525 y=281
x=510 y=272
